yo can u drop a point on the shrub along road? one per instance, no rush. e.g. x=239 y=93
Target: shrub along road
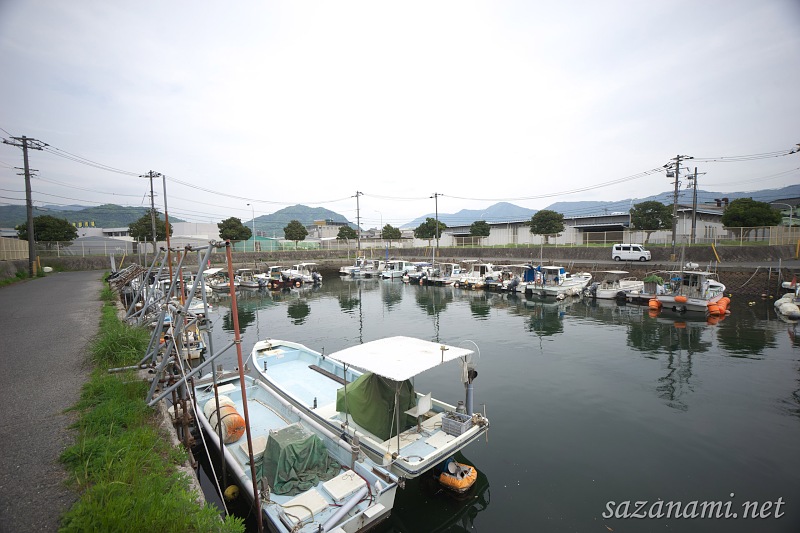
x=45 y=327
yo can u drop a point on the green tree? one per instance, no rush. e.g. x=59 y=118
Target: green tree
x=479 y=228
x=346 y=233
x=428 y=229
x=390 y=233
x=651 y=216
x=142 y=229
x=295 y=231
x=746 y=213
x=546 y=222
x=48 y=229
x=233 y=229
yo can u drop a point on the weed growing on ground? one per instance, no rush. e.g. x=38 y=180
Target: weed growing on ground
x=117 y=344
x=123 y=467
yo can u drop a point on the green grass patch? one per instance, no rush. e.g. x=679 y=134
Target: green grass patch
x=117 y=344
x=123 y=467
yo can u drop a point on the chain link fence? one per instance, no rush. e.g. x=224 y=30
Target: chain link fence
x=99 y=246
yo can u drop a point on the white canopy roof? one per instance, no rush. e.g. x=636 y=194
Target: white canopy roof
x=211 y=271
x=398 y=358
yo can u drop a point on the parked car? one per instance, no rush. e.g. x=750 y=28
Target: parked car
x=629 y=252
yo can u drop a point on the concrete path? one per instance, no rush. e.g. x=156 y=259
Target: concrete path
x=45 y=326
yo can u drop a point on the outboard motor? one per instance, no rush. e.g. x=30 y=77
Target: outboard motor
x=592 y=290
x=316 y=278
x=512 y=286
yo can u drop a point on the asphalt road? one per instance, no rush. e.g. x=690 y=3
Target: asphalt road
x=45 y=327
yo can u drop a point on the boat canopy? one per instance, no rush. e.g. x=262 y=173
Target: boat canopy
x=211 y=271
x=398 y=358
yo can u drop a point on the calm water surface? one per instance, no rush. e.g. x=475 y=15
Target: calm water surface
x=589 y=403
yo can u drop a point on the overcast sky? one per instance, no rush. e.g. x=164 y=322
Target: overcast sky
x=279 y=103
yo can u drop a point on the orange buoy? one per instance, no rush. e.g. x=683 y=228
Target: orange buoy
x=680 y=299
x=713 y=309
x=654 y=304
x=232 y=422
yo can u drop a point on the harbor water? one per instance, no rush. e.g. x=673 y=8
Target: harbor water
x=603 y=417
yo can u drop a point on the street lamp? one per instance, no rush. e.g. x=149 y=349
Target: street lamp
x=253 y=209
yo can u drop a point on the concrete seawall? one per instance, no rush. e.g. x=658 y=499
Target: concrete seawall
x=745 y=270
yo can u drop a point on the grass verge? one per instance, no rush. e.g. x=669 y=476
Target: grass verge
x=125 y=470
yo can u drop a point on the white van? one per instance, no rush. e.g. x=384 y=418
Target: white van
x=629 y=252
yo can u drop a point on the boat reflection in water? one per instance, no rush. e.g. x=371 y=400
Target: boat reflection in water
x=445 y=510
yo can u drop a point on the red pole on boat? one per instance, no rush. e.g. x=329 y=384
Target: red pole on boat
x=238 y=342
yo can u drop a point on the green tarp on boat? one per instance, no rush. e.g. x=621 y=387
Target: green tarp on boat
x=296 y=460
x=370 y=402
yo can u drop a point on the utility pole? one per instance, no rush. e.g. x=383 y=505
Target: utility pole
x=25 y=143
x=677 y=160
x=694 y=205
x=436 y=196
x=166 y=220
x=358 y=224
x=150 y=175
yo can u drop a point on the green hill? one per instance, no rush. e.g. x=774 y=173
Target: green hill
x=103 y=216
x=274 y=223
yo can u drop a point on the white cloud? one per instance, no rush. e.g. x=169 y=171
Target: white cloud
x=306 y=102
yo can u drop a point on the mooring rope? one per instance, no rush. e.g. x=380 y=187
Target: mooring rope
x=203 y=438
x=751 y=277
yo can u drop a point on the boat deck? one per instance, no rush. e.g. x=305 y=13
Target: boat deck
x=324 y=499
x=304 y=384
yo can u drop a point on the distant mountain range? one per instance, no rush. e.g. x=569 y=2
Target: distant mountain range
x=507 y=212
x=115 y=216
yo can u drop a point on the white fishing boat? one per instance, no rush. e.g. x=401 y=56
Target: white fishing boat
x=557 y=282
x=614 y=285
x=370 y=268
x=247 y=279
x=365 y=393
x=444 y=274
x=690 y=290
x=417 y=271
x=395 y=268
x=305 y=272
x=309 y=479
x=476 y=275
x=219 y=281
x=347 y=270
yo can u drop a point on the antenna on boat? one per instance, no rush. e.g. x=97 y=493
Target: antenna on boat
x=469 y=371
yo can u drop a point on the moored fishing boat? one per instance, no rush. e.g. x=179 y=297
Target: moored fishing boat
x=691 y=290
x=556 y=281
x=312 y=480
x=247 y=279
x=395 y=268
x=614 y=285
x=365 y=393
x=476 y=276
